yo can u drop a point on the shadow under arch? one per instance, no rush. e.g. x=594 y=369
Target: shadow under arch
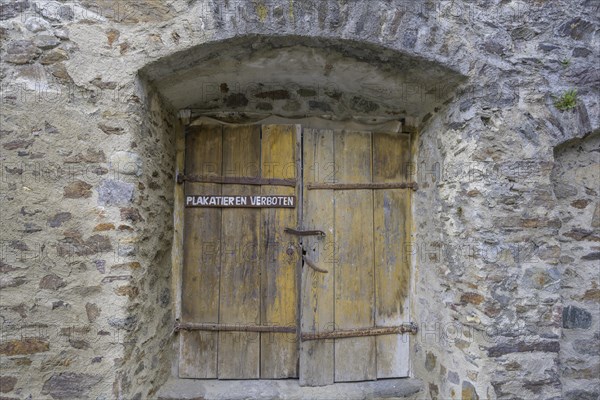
x=299 y=76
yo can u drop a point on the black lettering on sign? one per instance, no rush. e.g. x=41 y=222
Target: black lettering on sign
x=241 y=201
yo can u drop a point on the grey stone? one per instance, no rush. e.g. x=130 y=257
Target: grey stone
x=127 y=323
x=575 y=317
x=288 y=389
x=114 y=193
x=363 y=105
x=70 y=385
x=21 y=52
x=54 y=11
x=430 y=361
x=12 y=8
x=36 y=24
x=587 y=346
x=59 y=218
x=592 y=256
x=453 y=377
x=46 y=41
x=126 y=163
x=581 y=395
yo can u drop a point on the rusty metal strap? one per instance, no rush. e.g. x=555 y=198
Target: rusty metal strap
x=234 y=180
x=375 y=331
x=304 y=233
x=353 y=186
x=187 y=326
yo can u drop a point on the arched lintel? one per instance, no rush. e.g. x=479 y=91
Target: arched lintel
x=302 y=76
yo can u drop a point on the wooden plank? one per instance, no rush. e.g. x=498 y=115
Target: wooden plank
x=200 y=278
x=355 y=358
x=392 y=264
x=239 y=352
x=279 y=353
x=317 y=297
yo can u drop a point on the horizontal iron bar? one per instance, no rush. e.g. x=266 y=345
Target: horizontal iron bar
x=350 y=186
x=304 y=233
x=236 y=180
x=187 y=326
x=376 y=331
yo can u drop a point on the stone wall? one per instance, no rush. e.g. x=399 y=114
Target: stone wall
x=87 y=154
x=575 y=177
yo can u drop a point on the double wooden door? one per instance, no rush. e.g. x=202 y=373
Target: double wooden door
x=306 y=287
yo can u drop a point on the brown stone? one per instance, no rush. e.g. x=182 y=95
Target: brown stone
x=54 y=56
x=52 y=282
x=523 y=347
x=7 y=383
x=127 y=290
x=95 y=244
x=111 y=130
x=128 y=265
x=472 y=298
x=581 y=203
x=113 y=278
x=78 y=189
x=131 y=214
x=591 y=294
x=112 y=35
x=25 y=346
x=18 y=144
x=59 y=71
x=596 y=217
x=582 y=234
x=92 y=311
x=468 y=391
x=104 y=227
x=430 y=361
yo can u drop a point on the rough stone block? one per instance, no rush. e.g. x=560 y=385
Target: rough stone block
x=114 y=193
x=575 y=317
x=70 y=385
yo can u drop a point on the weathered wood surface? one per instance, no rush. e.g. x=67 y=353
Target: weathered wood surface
x=355 y=358
x=317 y=358
x=239 y=352
x=391 y=215
x=242 y=269
x=200 y=277
x=279 y=352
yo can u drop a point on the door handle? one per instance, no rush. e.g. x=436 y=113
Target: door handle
x=311 y=264
x=304 y=233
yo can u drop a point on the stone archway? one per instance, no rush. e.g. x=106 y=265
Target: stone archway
x=294 y=78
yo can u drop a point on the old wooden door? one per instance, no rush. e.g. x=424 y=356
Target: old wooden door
x=266 y=296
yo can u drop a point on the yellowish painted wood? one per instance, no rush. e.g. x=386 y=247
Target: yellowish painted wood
x=391 y=238
x=200 y=279
x=317 y=357
x=355 y=358
x=239 y=352
x=279 y=352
